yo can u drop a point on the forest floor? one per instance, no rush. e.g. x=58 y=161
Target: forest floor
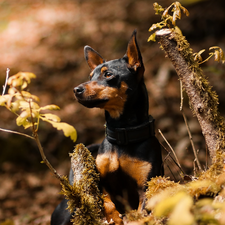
x=47 y=38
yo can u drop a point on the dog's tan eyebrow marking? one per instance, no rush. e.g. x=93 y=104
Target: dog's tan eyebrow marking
x=91 y=74
x=103 y=69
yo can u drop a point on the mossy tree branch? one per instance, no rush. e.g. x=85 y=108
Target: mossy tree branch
x=203 y=101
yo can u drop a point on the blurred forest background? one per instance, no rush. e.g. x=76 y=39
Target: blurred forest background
x=47 y=38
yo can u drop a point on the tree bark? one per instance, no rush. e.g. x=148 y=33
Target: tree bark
x=203 y=101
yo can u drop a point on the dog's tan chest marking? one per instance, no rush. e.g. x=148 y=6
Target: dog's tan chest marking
x=107 y=163
x=137 y=169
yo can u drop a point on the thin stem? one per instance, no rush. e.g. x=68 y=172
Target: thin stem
x=170 y=148
x=188 y=129
x=6 y=80
x=15 y=132
x=192 y=143
x=181 y=96
x=168 y=155
x=206 y=59
x=44 y=159
x=36 y=138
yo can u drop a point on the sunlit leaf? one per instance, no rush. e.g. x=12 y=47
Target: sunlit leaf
x=11 y=91
x=29 y=95
x=16 y=82
x=4 y=99
x=28 y=124
x=185 y=11
x=182 y=212
x=50 y=107
x=21 y=119
x=28 y=105
x=68 y=130
x=27 y=76
x=24 y=85
x=15 y=106
x=52 y=117
x=165 y=13
x=152 y=37
x=167 y=204
x=158 y=8
x=20 y=79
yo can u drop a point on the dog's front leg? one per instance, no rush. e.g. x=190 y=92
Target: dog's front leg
x=110 y=212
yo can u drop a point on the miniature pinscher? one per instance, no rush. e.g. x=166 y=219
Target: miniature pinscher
x=130 y=154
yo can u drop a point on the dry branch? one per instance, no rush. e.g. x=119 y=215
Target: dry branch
x=203 y=101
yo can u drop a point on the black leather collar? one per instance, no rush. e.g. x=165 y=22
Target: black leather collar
x=125 y=136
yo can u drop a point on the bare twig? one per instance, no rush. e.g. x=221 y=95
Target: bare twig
x=168 y=155
x=170 y=148
x=44 y=159
x=6 y=80
x=192 y=143
x=188 y=128
x=181 y=96
x=15 y=132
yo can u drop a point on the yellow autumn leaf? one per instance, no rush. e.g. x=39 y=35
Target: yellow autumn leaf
x=182 y=212
x=20 y=79
x=28 y=105
x=152 y=37
x=50 y=107
x=166 y=205
x=15 y=106
x=49 y=116
x=29 y=95
x=27 y=76
x=22 y=118
x=4 y=99
x=202 y=187
x=68 y=130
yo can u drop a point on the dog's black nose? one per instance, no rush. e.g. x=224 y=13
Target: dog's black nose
x=78 y=90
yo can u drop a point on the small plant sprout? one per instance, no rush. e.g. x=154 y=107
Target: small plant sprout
x=168 y=20
x=217 y=53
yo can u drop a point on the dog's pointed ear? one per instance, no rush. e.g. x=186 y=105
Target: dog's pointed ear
x=133 y=54
x=92 y=57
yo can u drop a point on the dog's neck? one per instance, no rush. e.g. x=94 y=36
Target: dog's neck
x=135 y=111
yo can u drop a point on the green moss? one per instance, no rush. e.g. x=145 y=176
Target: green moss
x=157 y=184
x=84 y=194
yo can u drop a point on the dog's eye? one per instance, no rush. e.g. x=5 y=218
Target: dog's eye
x=108 y=74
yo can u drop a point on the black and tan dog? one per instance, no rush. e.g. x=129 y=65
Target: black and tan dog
x=130 y=153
